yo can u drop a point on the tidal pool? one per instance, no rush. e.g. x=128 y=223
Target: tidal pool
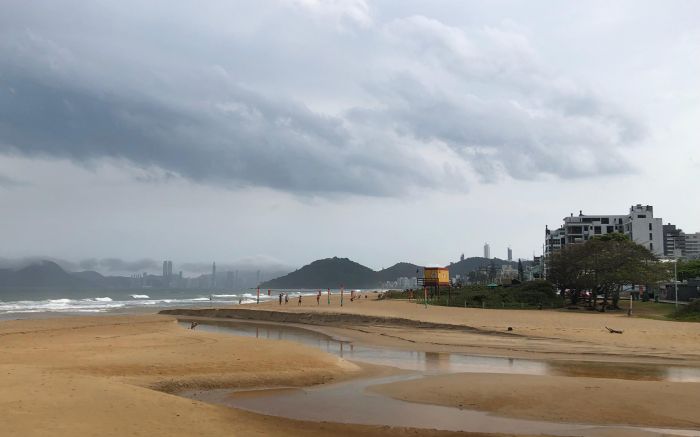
x=440 y=362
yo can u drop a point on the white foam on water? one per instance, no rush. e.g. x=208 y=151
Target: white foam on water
x=56 y=301
x=105 y=303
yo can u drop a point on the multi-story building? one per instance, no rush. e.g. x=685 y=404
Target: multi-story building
x=640 y=225
x=674 y=241
x=692 y=245
x=510 y=254
x=487 y=251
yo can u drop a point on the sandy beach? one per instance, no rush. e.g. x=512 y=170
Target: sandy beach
x=116 y=375
x=111 y=376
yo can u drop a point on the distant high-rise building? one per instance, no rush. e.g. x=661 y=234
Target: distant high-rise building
x=213 y=275
x=167 y=273
x=510 y=254
x=461 y=258
x=167 y=269
x=487 y=250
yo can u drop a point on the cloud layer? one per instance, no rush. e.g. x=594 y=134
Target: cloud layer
x=308 y=97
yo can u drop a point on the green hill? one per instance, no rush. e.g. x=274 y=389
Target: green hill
x=327 y=273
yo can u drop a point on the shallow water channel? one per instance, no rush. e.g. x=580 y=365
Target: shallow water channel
x=350 y=402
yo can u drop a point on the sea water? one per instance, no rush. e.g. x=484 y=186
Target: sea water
x=25 y=303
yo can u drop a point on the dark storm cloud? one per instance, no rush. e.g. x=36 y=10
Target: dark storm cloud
x=85 y=94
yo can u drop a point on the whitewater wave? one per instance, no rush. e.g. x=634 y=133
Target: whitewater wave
x=102 y=304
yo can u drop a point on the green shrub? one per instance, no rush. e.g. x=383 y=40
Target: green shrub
x=689 y=313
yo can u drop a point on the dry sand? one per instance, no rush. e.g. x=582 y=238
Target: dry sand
x=93 y=376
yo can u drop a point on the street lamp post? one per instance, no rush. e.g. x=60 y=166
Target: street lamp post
x=675 y=279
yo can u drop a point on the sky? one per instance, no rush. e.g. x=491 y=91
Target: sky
x=280 y=132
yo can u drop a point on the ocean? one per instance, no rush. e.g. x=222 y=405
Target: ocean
x=17 y=304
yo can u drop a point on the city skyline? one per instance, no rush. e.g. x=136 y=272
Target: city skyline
x=375 y=131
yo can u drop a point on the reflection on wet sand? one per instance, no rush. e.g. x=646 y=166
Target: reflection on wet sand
x=350 y=402
x=442 y=362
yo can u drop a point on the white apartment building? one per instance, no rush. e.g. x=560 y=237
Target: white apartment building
x=640 y=225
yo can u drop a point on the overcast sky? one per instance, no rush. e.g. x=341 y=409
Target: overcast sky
x=279 y=132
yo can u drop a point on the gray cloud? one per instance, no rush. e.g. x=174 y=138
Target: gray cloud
x=116 y=265
x=21 y=262
x=480 y=103
x=8 y=182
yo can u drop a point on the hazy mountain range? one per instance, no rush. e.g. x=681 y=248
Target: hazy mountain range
x=330 y=272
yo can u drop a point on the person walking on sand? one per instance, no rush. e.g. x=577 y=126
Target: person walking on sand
x=286 y=298
x=318 y=299
x=299 y=299
x=280 y=298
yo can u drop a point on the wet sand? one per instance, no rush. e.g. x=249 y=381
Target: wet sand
x=96 y=376
x=558 y=398
x=579 y=335
x=571 y=394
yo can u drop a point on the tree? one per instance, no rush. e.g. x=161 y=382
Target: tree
x=567 y=270
x=688 y=269
x=604 y=265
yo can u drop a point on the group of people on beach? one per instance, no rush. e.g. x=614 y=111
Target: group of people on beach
x=285 y=296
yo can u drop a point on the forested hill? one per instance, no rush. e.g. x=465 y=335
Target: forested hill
x=327 y=273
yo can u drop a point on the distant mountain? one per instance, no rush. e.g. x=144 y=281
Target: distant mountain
x=399 y=270
x=47 y=274
x=95 y=279
x=324 y=273
x=43 y=274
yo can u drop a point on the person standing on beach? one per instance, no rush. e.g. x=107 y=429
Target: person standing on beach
x=286 y=298
x=318 y=298
x=280 y=298
x=299 y=299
